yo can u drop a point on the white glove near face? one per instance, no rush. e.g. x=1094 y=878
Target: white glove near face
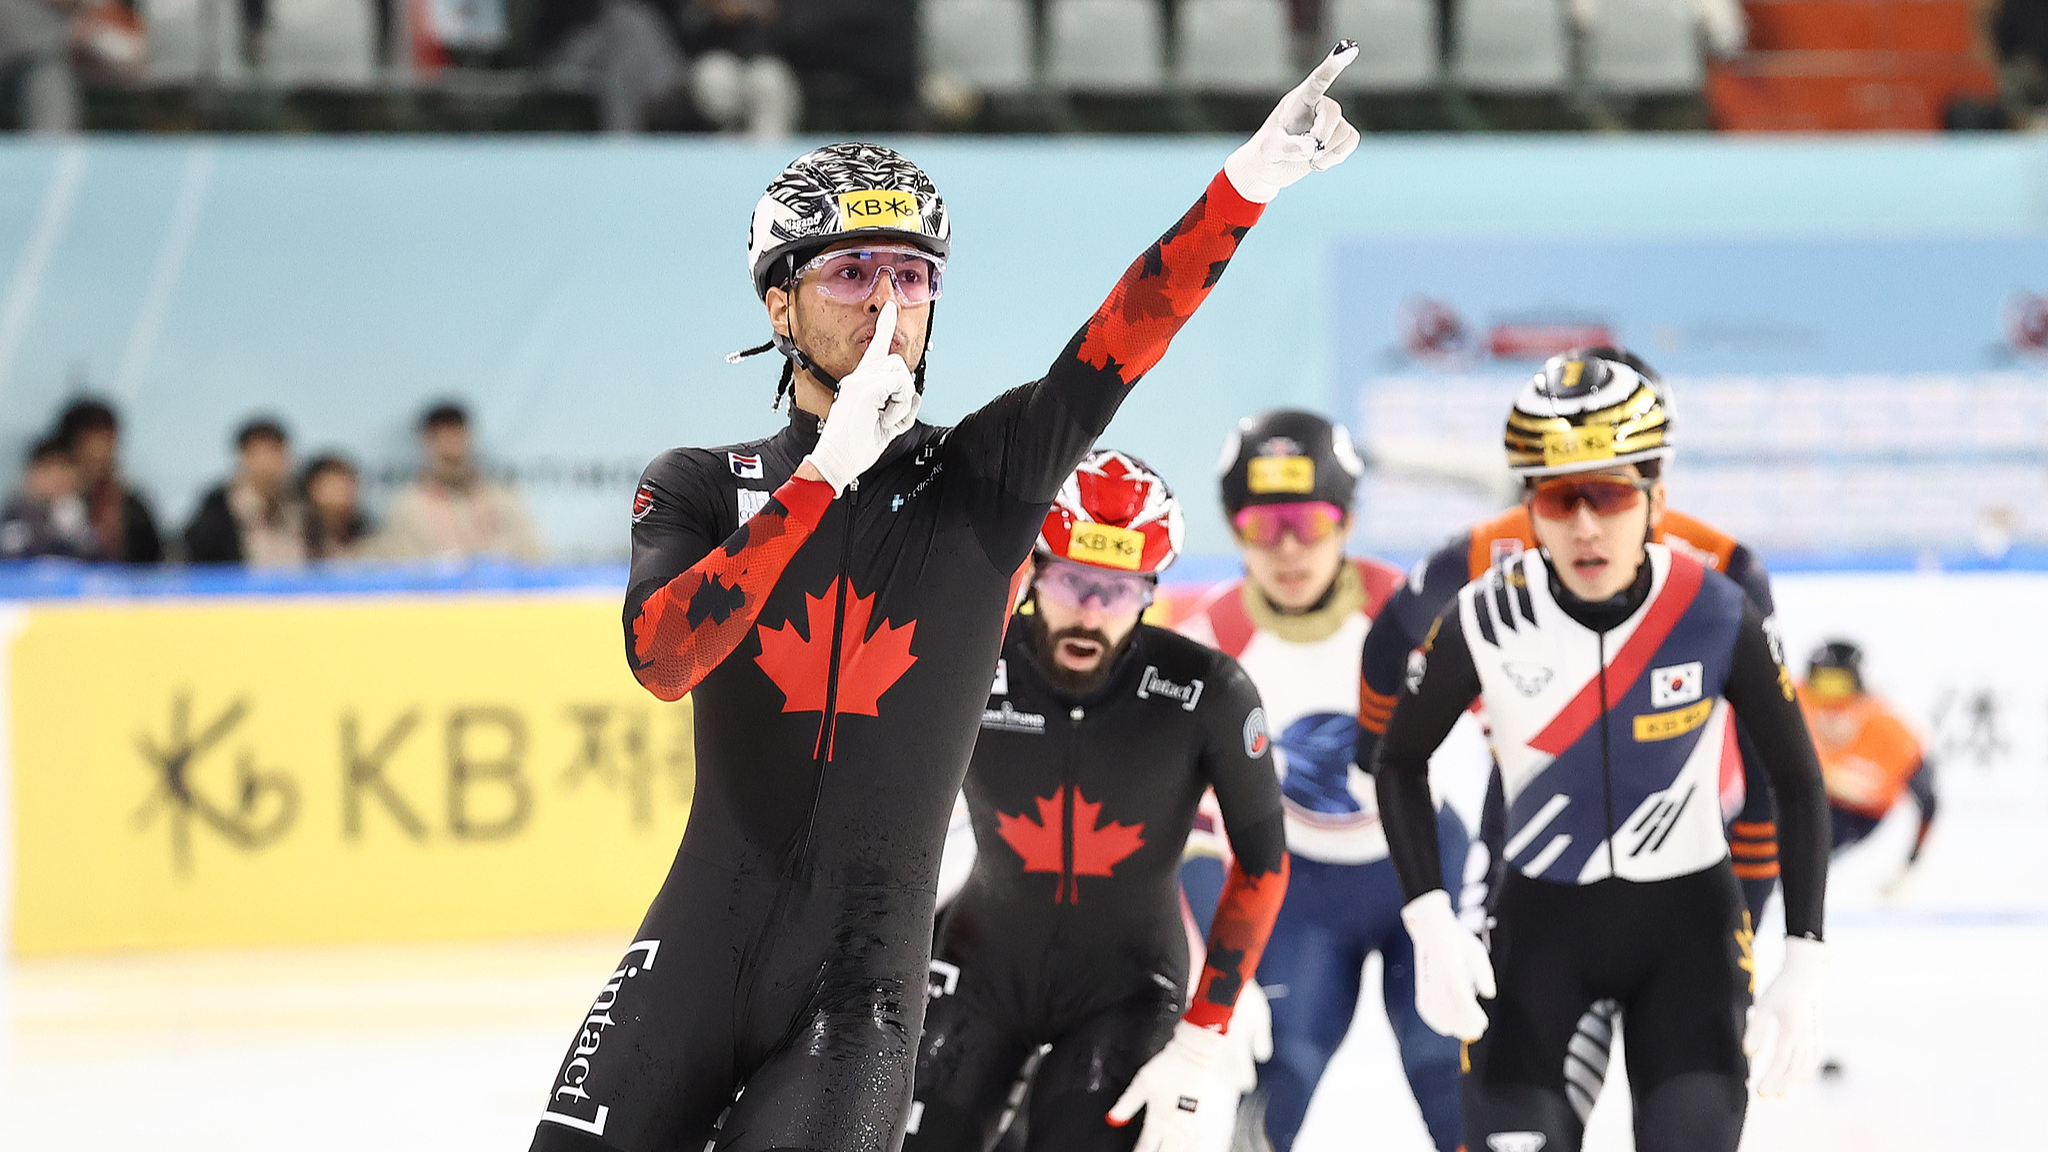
x=1787 y=1016
x=1249 y=1043
x=1171 y=1088
x=877 y=402
x=1306 y=132
x=1452 y=970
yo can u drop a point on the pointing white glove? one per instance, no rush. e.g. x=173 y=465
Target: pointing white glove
x=877 y=402
x=1249 y=1043
x=1171 y=1089
x=1787 y=1015
x=1307 y=131
x=1452 y=970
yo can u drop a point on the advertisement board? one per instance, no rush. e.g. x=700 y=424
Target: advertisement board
x=242 y=772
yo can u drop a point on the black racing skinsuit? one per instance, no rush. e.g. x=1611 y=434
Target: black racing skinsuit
x=1069 y=931
x=1671 y=952
x=839 y=651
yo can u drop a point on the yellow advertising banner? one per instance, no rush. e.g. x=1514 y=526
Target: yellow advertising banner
x=288 y=771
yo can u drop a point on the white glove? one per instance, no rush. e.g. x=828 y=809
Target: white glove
x=1451 y=968
x=1171 y=1089
x=1787 y=1015
x=1249 y=1043
x=877 y=402
x=1307 y=131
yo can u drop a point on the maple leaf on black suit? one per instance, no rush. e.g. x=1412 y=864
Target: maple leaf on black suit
x=1097 y=850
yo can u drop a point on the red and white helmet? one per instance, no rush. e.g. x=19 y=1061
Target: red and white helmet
x=1116 y=513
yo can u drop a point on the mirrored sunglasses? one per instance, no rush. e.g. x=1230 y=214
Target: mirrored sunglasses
x=1073 y=585
x=1559 y=498
x=1308 y=521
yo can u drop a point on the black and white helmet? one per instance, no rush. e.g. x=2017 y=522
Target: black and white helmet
x=1588 y=409
x=842 y=190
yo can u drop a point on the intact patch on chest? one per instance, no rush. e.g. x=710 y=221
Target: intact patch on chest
x=1153 y=684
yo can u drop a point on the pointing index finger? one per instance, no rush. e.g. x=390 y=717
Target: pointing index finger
x=1333 y=65
x=885 y=333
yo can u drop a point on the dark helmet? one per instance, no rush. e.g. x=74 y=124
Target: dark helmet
x=1285 y=456
x=1588 y=409
x=1835 y=671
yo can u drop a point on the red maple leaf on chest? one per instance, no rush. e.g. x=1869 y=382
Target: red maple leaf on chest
x=801 y=665
x=1040 y=841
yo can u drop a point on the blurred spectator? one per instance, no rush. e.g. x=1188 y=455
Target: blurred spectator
x=452 y=510
x=736 y=77
x=47 y=517
x=38 y=88
x=123 y=528
x=335 y=522
x=621 y=52
x=255 y=518
x=2021 y=33
x=856 y=57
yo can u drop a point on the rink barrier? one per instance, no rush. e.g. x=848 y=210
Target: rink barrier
x=221 y=769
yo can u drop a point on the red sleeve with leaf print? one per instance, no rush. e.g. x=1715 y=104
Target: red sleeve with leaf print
x=689 y=625
x=1163 y=287
x=1244 y=920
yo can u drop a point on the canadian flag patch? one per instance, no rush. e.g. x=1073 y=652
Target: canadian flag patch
x=745 y=467
x=643 y=502
x=1676 y=684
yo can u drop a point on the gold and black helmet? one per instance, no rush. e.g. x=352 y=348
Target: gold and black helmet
x=1588 y=409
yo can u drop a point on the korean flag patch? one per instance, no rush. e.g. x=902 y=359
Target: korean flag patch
x=1676 y=684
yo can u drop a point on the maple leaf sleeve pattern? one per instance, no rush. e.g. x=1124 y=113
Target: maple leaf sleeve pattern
x=1030 y=438
x=1238 y=761
x=692 y=600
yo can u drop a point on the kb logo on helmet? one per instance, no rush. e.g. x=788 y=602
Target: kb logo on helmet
x=878 y=208
x=1107 y=545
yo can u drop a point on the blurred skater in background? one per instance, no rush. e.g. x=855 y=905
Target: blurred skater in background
x=1297 y=623
x=1869 y=755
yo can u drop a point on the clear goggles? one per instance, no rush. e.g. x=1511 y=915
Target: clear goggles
x=850 y=274
x=1072 y=585
x=1308 y=521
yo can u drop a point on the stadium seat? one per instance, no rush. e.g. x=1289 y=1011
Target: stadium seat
x=1397 y=44
x=1235 y=46
x=320 y=43
x=1107 y=46
x=1641 y=47
x=1509 y=46
x=984 y=44
x=192 y=39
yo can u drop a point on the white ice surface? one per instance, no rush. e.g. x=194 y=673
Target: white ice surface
x=1937 y=1012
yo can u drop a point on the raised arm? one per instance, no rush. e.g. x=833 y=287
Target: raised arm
x=1029 y=439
